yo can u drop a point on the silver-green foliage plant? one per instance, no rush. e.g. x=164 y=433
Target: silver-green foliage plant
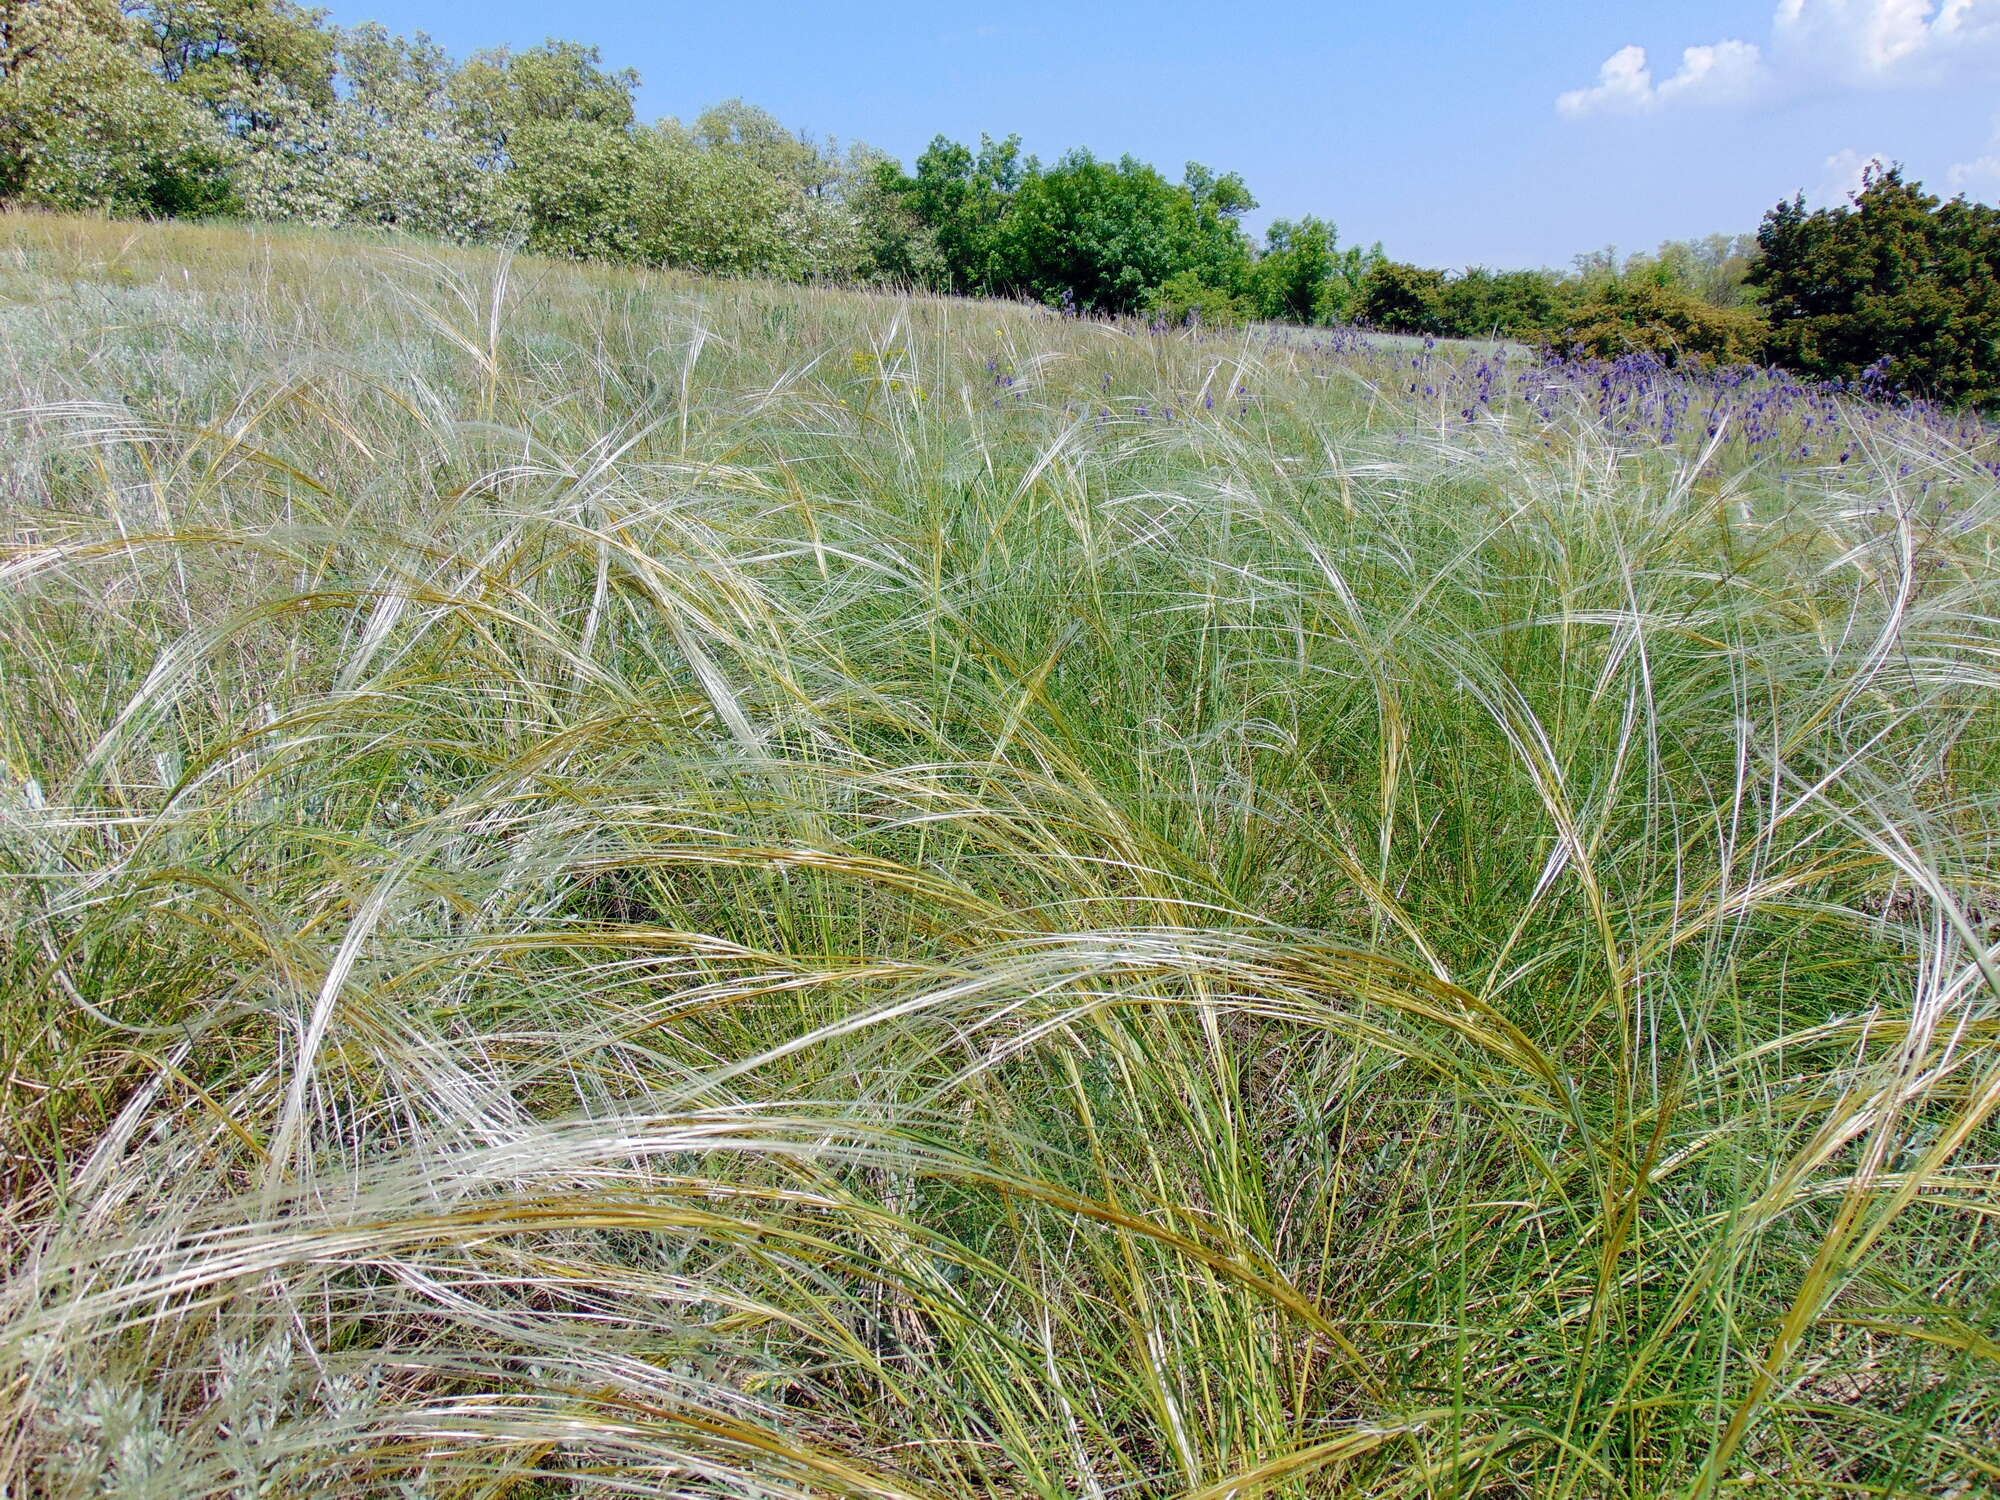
x=624 y=885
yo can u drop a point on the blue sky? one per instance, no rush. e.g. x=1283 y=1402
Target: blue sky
x=1502 y=134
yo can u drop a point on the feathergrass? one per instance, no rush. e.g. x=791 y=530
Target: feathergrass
x=622 y=885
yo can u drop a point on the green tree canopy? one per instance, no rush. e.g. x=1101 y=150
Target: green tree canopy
x=1215 y=247
x=1478 y=303
x=594 y=192
x=1107 y=236
x=240 y=59
x=756 y=137
x=498 y=91
x=1304 y=276
x=85 y=123
x=1894 y=275
x=392 y=151
x=260 y=107
x=962 y=197
x=1103 y=234
x=1714 y=269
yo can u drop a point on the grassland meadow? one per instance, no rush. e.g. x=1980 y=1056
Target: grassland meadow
x=617 y=884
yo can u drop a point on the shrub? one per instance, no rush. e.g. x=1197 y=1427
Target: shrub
x=1484 y=304
x=1184 y=298
x=1627 y=316
x=1402 y=299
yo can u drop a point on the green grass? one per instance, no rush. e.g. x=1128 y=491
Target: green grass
x=617 y=885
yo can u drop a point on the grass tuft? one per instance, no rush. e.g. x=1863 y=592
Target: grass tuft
x=619 y=885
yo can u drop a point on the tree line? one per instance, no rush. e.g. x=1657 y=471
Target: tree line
x=1895 y=291
x=264 y=109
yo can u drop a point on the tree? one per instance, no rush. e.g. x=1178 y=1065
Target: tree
x=1185 y=299
x=650 y=196
x=1895 y=275
x=257 y=106
x=1478 y=303
x=961 y=198
x=756 y=137
x=1106 y=237
x=84 y=123
x=1092 y=232
x=39 y=33
x=240 y=59
x=1213 y=245
x=1297 y=260
x=392 y=151
x=897 y=247
x=499 y=91
x=1303 y=276
x=1713 y=270
x=580 y=187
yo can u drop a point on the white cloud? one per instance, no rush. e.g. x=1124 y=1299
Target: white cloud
x=1813 y=44
x=1720 y=72
x=1845 y=172
x=1624 y=86
x=1887 y=43
x=1980 y=177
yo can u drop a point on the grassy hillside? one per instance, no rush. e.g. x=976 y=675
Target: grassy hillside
x=621 y=885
